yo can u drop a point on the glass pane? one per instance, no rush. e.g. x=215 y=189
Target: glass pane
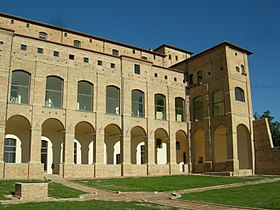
x=85 y=88
x=84 y=102
x=20 y=78
x=54 y=83
x=218 y=96
x=112 y=106
x=112 y=92
x=53 y=98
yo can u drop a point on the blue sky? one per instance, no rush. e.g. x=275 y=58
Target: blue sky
x=195 y=25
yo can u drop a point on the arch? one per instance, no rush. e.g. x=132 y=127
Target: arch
x=199 y=146
x=54 y=92
x=115 y=52
x=43 y=35
x=53 y=130
x=198 y=108
x=19 y=128
x=179 y=109
x=77 y=43
x=182 y=148
x=112 y=100
x=161 y=146
x=112 y=144
x=239 y=94
x=84 y=137
x=218 y=103
x=244 y=147
x=20 y=87
x=85 y=96
x=138 y=145
x=220 y=144
x=137 y=103
x=160 y=107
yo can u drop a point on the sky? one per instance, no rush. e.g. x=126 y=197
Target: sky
x=194 y=25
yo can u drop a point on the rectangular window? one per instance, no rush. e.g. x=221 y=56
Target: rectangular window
x=99 y=63
x=113 y=65
x=86 y=60
x=40 y=50
x=136 y=69
x=56 y=53
x=71 y=57
x=23 y=47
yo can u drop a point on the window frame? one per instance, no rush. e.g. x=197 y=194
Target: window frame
x=219 y=103
x=137 y=69
x=16 y=86
x=159 y=107
x=137 y=104
x=198 y=109
x=48 y=100
x=89 y=96
x=77 y=43
x=110 y=100
x=43 y=35
x=239 y=94
x=11 y=152
x=178 y=109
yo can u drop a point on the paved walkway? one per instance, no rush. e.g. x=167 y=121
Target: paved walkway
x=164 y=198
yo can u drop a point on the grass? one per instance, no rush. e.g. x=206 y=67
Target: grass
x=164 y=183
x=94 y=204
x=255 y=196
x=55 y=190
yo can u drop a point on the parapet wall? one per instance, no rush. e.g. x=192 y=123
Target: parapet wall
x=267 y=156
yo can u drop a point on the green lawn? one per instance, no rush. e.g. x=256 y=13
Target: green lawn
x=255 y=196
x=100 y=205
x=164 y=183
x=55 y=190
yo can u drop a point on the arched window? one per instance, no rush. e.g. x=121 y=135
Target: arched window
x=179 y=109
x=84 y=101
x=20 y=87
x=10 y=150
x=112 y=100
x=43 y=35
x=198 y=108
x=115 y=52
x=218 y=103
x=77 y=43
x=54 y=92
x=160 y=107
x=137 y=103
x=239 y=94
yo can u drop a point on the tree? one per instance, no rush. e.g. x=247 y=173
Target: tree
x=274 y=126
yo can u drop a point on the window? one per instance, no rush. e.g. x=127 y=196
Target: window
x=99 y=63
x=144 y=58
x=86 y=60
x=177 y=145
x=54 y=92
x=56 y=53
x=176 y=57
x=90 y=40
x=179 y=109
x=75 y=152
x=199 y=77
x=71 y=57
x=218 y=103
x=239 y=94
x=165 y=77
x=43 y=35
x=77 y=43
x=243 y=70
x=12 y=21
x=169 y=56
x=175 y=79
x=23 y=47
x=158 y=143
x=10 y=150
x=198 y=108
x=159 y=107
x=84 y=102
x=136 y=69
x=27 y=25
x=113 y=65
x=190 y=79
x=115 y=52
x=142 y=149
x=40 y=50
x=155 y=74
x=20 y=87
x=112 y=100
x=237 y=69
x=65 y=34
x=137 y=103
x=133 y=51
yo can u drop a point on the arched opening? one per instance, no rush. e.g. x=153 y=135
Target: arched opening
x=17 y=140
x=218 y=103
x=220 y=144
x=53 y=133
x=244 y=147
x=239 y=94
x=199 y=146
x=179 y=109
x=112 y=144
x=198 y=109
x=161 y=146
x=20 y=87
x=112 y=100
x=160 y=104
x=138 y=145
x=83 y=149
x=182 y=149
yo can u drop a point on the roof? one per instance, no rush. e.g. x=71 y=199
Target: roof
x=78 y=33
x=175 y=48
x=225 y=43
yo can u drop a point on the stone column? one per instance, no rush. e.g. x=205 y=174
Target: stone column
x=150 y=155
x=67 y=170
x=2 y=139
x=126 y=155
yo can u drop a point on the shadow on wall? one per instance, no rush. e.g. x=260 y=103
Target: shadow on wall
x=267 y=157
